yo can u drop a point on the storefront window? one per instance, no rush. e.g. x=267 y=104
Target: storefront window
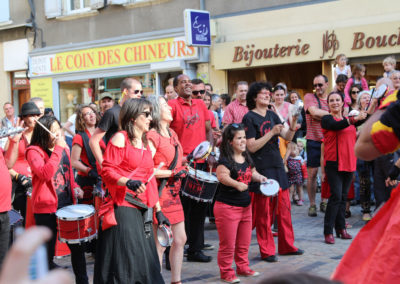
x=74 y=93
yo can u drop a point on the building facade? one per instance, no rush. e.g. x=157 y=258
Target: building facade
x=292 y=43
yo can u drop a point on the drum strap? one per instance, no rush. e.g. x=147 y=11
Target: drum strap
x=89 y=153
x=163 y=181
x=135 y=201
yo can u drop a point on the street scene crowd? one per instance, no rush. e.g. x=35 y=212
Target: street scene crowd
x=145 y=173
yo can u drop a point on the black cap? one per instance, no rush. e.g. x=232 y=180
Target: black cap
x=29 y=108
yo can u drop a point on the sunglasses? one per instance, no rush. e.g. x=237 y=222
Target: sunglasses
x=202 y=92
x=318 y=85
x=138 y=91
x=354 y=92
x=89 y=113
x=236 y=125
x=146 y=114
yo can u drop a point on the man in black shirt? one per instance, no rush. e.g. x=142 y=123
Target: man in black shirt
x=108 y=125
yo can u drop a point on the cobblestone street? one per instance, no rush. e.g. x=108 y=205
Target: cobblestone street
x=319 y=258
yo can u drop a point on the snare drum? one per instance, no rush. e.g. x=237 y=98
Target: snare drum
x=200 y=185
x=76 y=223
x=202 y=150
x=269 y=188
x=164 y=236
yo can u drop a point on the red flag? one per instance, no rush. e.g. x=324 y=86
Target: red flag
x=374 y=255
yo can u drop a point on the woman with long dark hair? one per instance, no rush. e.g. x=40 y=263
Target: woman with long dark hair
x=126 y=252
x=340 y=163
x=54 y=187
x=232 y=208
x=263 y=126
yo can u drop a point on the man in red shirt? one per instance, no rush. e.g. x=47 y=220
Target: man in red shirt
x=198 y=89
x=315 y=106
x=235 y=111
x=192 y=124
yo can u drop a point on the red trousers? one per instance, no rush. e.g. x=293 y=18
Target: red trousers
x=264 y=210
x=234 y=231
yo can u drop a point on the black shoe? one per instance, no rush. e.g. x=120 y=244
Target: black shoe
x=297 y=252
x=208 y=247
x=199 y=257
x=347 y=214
x=53 y=265
x=271 y=258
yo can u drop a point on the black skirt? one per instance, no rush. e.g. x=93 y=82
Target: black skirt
x=124 y=254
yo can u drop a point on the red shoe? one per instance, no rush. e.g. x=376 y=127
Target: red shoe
x=248 y=273
x=343 y=234
x=329 y=239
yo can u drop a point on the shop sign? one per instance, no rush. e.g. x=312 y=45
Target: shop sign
x=159 y=50
x=43 y=88
x=197 y=27
x=20 y=82
x=311 y=46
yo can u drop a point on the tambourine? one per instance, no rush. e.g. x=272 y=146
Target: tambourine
x=354 y=112
x=270 y=187
x=202 y=150
x=164 y=236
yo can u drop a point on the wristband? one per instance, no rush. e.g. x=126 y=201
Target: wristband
x=352 y=120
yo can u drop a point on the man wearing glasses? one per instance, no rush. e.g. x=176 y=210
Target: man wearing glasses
x=198 y=89
x=108 y=125
x=315 y=106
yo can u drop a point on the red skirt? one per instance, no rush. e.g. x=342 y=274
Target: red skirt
x=171 y=204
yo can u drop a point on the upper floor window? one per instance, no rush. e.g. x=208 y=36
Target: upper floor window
x=77 y=6
x=4 y=11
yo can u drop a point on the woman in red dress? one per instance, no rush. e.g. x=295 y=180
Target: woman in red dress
x=126 y=251
x=165 y=145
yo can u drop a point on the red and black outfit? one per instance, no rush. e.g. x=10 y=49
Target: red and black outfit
x=165 y=152
x=5 y=206
x=340 y=164
x=189 y=123
x=53 y=184
x=86 y=182
x=269 y=163
x=125 y=252
x=232 y=213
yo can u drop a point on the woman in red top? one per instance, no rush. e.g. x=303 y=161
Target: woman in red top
x=165 y=145
x=340 y=163
x=82 y=158
x=126 y=252
x=21 y=172
x=54 y=187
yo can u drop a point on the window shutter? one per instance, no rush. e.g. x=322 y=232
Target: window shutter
x=52 y=8
x=96 y=4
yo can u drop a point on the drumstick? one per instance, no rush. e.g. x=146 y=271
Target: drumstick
x=155 y=171
x=45 y=128
x=211 y=168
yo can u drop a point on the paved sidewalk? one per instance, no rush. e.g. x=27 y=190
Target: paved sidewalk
x=319 y=258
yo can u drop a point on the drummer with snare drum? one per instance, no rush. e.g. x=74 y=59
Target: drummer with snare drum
x=54 y=187
x=192 y=125
x=263 y=126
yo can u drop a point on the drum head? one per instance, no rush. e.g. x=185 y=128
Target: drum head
x=270 y=187
x=202 y=150
x=202 y=175
x=164 y=236
x=75 y=212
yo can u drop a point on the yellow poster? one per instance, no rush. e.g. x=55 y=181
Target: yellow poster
x=43 y=88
